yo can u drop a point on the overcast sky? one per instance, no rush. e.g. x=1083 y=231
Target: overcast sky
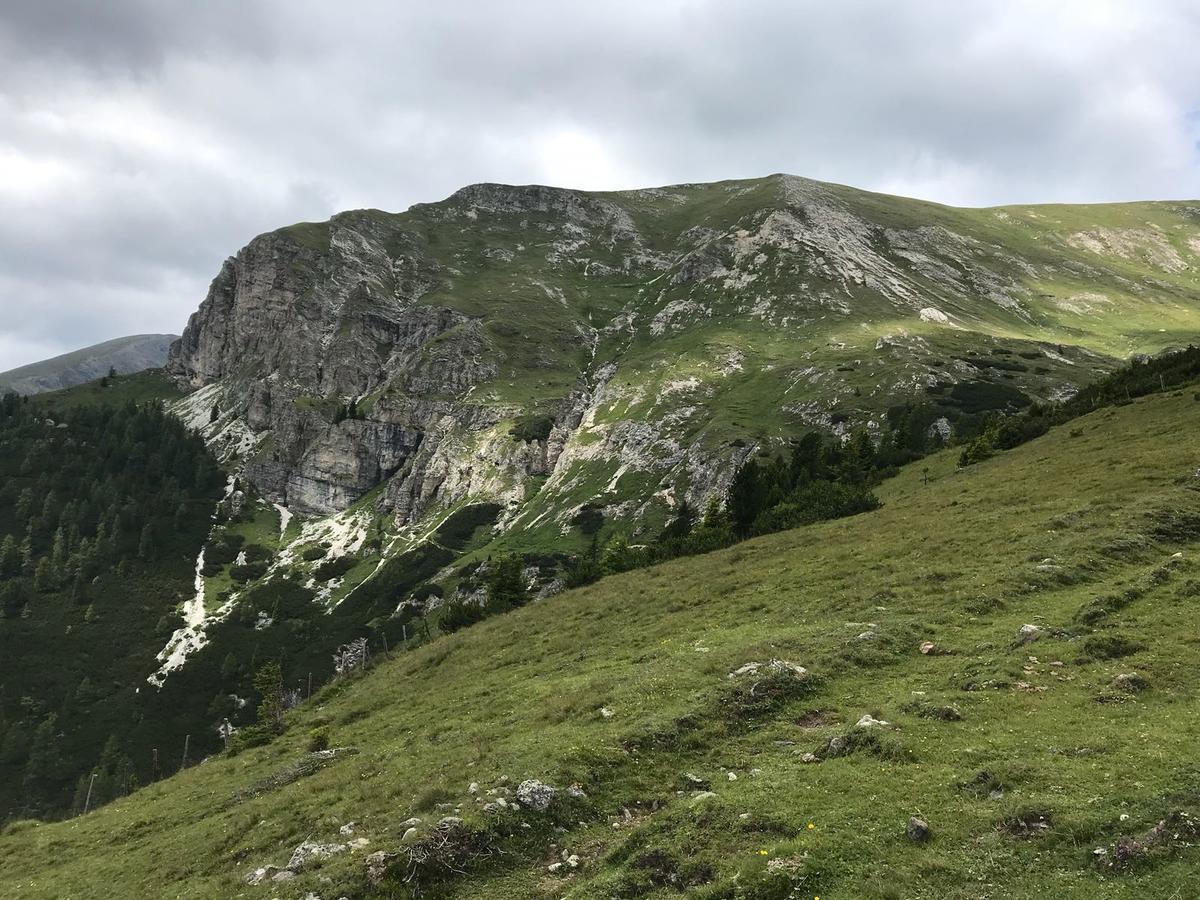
x=143 y=141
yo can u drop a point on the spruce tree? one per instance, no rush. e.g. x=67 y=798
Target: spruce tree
x=43 y=576
x=268 y=681
x=44 y=767
x=506 y=584
x=10 y=556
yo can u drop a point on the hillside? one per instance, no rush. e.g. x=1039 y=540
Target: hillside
x=125 y=356
x=1024 y=753
x=546 y=348
x=541 y=371
x=104 y=503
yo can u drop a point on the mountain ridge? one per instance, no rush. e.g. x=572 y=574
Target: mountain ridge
x=124 y=355
x=437 y=311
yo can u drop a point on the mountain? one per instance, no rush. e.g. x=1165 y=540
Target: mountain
x=411 y=422
x=125 y=355
x=546 y=348
x=1046 y=739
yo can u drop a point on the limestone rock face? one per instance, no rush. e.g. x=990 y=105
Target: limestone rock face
x=544 y=348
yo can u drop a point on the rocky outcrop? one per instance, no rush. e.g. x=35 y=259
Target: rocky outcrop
x=545 y=348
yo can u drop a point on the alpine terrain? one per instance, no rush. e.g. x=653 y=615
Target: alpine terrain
x=756 y=539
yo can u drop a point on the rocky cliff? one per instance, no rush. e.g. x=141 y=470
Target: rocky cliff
x=546 y=348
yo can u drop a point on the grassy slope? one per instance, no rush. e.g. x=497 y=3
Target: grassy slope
x=1110 y=499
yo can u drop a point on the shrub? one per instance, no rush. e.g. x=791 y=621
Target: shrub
x=248 y=572
x=1108 y=646
x=532 y=428
x=335 y=568
x=457 y=614
x=427 y=590
x=318 y=739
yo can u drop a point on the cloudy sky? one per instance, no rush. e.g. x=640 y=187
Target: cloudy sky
x=143 y=141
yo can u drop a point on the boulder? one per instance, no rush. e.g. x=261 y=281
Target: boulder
x=537 y=795
x=1027 y=634
x=310 y=852
x=869 y=721
x=918 y=830
x=262 y=873
x=835 y=746
x=1130 y=682
x=770 y=667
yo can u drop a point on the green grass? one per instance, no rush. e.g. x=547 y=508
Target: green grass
x=961 y=561
x=121 y=389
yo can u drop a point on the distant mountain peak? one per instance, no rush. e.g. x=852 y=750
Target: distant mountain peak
x=125 y=355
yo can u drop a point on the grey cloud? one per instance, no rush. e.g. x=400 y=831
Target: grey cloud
x=143 y=141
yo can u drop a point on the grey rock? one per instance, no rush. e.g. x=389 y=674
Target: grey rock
x=1027 y=634
x=918 y=830
x=1131 y=682
x=868 y=721
x=536 y=795
x=261 y=874
x=837 y=745
x=378 y=863
x=310 y=852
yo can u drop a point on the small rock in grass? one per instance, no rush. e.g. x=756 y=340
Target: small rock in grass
x=377 y=865
x=1131 y=682
x=836 y=746
x=537 y=795
x=1027 y=634
x=918 y=830
x=869 y=721
x=310 y=852
x=701 y=797
x=261 y=874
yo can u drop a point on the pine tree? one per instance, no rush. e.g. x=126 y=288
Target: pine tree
x=268 y=681
x=27 y=554
x=43 y=576
x=12 y=598
x=146 y=542
x=45 y=765
x=746 y=496
x=10 y=556
x=58 y=555
x=506 y=584
x=681 y=525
